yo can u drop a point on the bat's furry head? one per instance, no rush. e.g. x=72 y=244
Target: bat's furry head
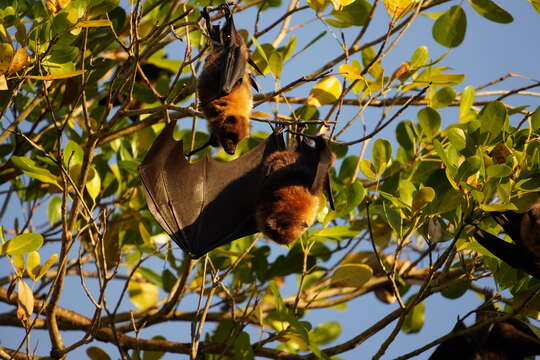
x=286 y=206
x=229 y=129
x=286 y=213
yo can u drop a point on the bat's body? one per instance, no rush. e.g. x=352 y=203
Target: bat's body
x=210 y=203
x=224 y=85
x=503 y=340
x=289 y=199
x=524 y=229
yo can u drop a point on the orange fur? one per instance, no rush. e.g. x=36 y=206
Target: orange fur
x=289 y=214
x=286 y=207
x=228 y=116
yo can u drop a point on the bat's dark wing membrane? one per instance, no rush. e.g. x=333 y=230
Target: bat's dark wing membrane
x=205 y=204
x=233 y=67
x=320 y=159
x=514 y=255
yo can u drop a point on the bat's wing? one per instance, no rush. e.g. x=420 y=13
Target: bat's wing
x=321 y=160
x=514 y=255
x=205 y=204
x=233 y=67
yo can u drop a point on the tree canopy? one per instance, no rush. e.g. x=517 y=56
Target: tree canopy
x=87 y=85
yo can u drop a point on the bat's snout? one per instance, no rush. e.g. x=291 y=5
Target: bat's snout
x=229 y=146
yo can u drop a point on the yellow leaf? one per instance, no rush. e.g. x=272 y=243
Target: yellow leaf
x=3 y=82
x=423 y=197
x=352 y=275
x=318 y=5
x=6 y=54
x=32 y=264
x=18 y=263
x=25 y=300
x=142 y=294
x=326 y=91
x=340 y=4
x=55 y=77
x=93 y=23
x=43 y=269
x=398 y=8
x=351 y=72
x=19 y=61
x=93 y=185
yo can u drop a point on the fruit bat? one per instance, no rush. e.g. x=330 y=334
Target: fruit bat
x=510 y=339
x=524 y=229
x=224 y=86
x=209 y=203
x=294 y=179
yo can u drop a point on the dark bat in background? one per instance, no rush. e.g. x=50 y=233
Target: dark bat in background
x=224 y=85
x=210 y=203
x=290 y=194
x=510 y=339
x=524 y=229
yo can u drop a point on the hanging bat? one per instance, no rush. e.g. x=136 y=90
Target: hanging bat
x=510 y=339
x=290 y=194
x=210 y=203
x=524 y=229
x=224 y=86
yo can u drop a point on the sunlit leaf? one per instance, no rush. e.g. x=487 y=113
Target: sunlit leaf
x=48 y=264
x=449 y=29
x=22 y=244
x=422 y=198
x=25 y=300
x=491 y=11
x=414 y=320
x=6 y=54
x=142 y=294
x=430 y=121
x=32 y=264
x=351 y=275
x=326 y=91
x=19 y=61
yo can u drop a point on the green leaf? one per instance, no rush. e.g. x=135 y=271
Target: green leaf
x=95 y=353
x=419 y=57
x=325 y=333
x=491 y=11
x=367 y=169
x=22 y=244
x=529 y=184
x=339 y=232
x=457 y=138
x=154 y=355
x=276 y=63
x=499 y=171
x=449 y=29
x=354 y=14
x=466 y=102
x=351 y=275
x=151 y=276
x=535 y=119
x=430 y=121
x=242 y=347
x=382 y=153
x=443 y=97
x=469 y=167
x=54 y=210
x=456 y=288
x=73 y=154
x=493 y=120
x=30 y=168
x=414 y=320
x=347 y=169
x=405 y=135
x=32 y=264
x=422 y=198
